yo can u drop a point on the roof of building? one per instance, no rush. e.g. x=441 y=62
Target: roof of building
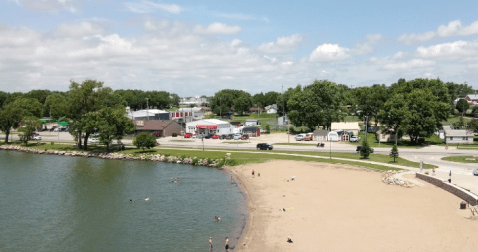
x=148 y=112
x=473 y=96
x=459 y=133
x=209 y=122
x=195 y=109
x=153 y=124
x=345 y=126
x=321 y=132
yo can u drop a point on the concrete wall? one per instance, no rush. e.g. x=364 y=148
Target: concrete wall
x=457 y=191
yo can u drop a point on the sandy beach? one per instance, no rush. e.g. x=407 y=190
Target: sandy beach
x=343 y=208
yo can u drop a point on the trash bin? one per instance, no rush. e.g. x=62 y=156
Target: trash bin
x=463 y=205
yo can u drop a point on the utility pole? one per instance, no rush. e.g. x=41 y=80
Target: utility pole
x=285 y=115
x=147 y=108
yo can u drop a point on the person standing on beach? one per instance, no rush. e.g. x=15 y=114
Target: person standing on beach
x=253 y=172
x=210 y=244
x=227 y=244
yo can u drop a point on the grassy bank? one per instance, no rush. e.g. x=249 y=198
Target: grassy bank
x=247 y=156
x=461 y=159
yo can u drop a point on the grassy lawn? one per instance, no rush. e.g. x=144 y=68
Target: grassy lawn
x=461 y=159
x=245 y=156
x=454 y=119
x=373 y=142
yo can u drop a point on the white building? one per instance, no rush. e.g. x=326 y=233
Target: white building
x=209 y=126
x=272 y=109
x=333 y=136
x=252 y=122
x=149 y=114
x=192 y=100
x=346 y=126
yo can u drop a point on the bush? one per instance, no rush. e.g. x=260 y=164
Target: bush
x=52 y=143
x=194 y=161
x=365 y=151
x=144 y=140
x=209 y=161
x=394 y=152
x=166 y=159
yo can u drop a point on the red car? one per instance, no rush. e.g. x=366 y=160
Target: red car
x=215 y=137
x=188 y=135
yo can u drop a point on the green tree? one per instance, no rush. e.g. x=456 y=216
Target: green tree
x=242 y=103
x=10 y=116
x=144 y=140
x=270 y=98
x=84 y=98
x=394 y=152
x=417 y=108
x=4 y=97
x=258 y=100
x=370 y=100
x=473 y=126
x=110 y=123
x=31 y=106
x=462 y=105
x=365 y=150
x=317 y=104
x=57 y=105
x=29 y=125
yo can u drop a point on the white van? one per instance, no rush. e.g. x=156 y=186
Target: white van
x=300 y=137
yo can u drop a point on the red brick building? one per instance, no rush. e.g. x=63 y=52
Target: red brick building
x=159 y=128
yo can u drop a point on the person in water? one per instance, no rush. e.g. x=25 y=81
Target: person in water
x=130 y=200
x=210 y=244
x=227 y=244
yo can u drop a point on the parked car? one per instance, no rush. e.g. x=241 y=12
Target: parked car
x=174 y=135
x=354 y=139
x=53 y=128
x=309 y=137
x=93 y=140
x=237 y=136
x=36 y=137
x=188 y=135
x=475 y=172
x=299 y=137
x=360 y=147
x=215 y=137
x=224 y=136
x=208 y=136
x=264 y=146
x=230 y=136
x=245 y=137
x=194 y=136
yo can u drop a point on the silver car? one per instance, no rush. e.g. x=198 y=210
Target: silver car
x=475 y=172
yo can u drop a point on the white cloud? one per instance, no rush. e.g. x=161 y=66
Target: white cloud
x=329 y=52
x=282 y=44
x=451 y=50
x=148 y=7
x=50 y=5
x=454 y=28
x=414 y=63
x=217 y=28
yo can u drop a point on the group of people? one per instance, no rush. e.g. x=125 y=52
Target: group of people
x=217 y=218
x=226 y=245
x=253 y=173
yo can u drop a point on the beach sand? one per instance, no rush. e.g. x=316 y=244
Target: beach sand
x=344 y=208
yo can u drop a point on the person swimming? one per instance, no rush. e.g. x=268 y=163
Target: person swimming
x=130 y=200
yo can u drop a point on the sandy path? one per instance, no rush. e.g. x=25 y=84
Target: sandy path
x=343 y=208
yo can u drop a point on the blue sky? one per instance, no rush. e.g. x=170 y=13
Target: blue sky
x=194 y=48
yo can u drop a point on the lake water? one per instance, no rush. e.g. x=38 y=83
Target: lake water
x=54 y=203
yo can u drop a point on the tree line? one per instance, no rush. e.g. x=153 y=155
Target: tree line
x=415 y=107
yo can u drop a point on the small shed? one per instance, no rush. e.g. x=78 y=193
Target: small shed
x=320 y=135
x=252 y=122
x=333 y=136
x=461 y=136
x=345 y=137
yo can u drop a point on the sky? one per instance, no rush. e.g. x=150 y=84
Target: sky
x=200 y=47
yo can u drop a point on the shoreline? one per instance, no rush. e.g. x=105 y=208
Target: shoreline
x=391 y=214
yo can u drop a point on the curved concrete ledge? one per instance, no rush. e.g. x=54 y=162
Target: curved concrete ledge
x=469 y=197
